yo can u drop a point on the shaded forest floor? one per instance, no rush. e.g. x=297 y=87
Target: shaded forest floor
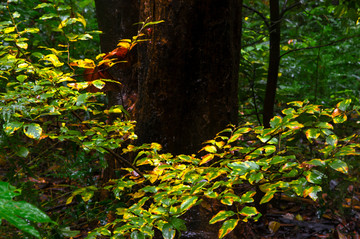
x=284 y=218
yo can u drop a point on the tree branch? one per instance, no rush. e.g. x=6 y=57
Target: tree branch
x=288 y=9
x=320 y=46
x=258 y=13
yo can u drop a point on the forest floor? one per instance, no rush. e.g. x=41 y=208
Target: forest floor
x=285 y=217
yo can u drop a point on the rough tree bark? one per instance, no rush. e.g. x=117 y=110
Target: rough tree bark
x=189 y=72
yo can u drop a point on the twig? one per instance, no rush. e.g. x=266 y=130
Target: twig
x=119 y=158
x=258 y=13
x=325 y=45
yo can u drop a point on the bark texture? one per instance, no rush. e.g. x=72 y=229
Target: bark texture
x=189 y=72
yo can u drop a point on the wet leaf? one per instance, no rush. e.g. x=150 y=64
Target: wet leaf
x=11 y=127
x=314 y=176
x=339 y=166
x=267 y=197
x=312 y=134
x=168 y=231
x=312 y=192
x=332 y=140
x=33 y=131
x=248 y=197
x=343 y=105
x=206 y=158
x=227 y=227
x=249 y=211
x=188 y=202
x=53 y=59
x=221 y=216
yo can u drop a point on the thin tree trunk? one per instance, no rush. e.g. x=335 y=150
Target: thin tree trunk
x=189 y=72
x=274 y=62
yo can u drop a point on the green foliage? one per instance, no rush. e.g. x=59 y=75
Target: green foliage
x=298 y=156
x=16 y=212
x=49 y=119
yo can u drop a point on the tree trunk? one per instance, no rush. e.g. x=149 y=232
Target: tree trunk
x=188 y=72
x=274 y=62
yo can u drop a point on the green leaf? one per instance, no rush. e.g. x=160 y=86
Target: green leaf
x=168 y=231
x=33 y=131
x=221 y=216
x=276 y=121
x=332 y=140
x=188 y=202
x=82 y=99
x=340 y=119
x=18 y=222
x=53 y=59
x=8 y=191
x=255 y=177
x=312 y=192
x=343 y=105
x=248 y=197
x=312 y=134
x=339 y=166
x=11 y=127
x=179 y=224
x=314 y=176
x=23 y=152
x=27 y=211
x=137 y=235
x=267 y=197
x=249 y=211
x=21 y=78
x=227 y=227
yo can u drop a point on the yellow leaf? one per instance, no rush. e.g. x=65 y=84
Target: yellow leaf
x=206 y=158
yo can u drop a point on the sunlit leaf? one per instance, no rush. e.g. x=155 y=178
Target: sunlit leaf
x=276 y=121
x=33 y=131
x=220 y=216
x=314 y=176
x=248 y=197
x=339 y=166
x=11 y=127
x=206 y=158
x=332 y=140
x=227 y=227
x=210 y=149
x=312 y=134
x=344 y=105
x=312 y=192
x=267 y=197
x=53 y=59
x=188 y=202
